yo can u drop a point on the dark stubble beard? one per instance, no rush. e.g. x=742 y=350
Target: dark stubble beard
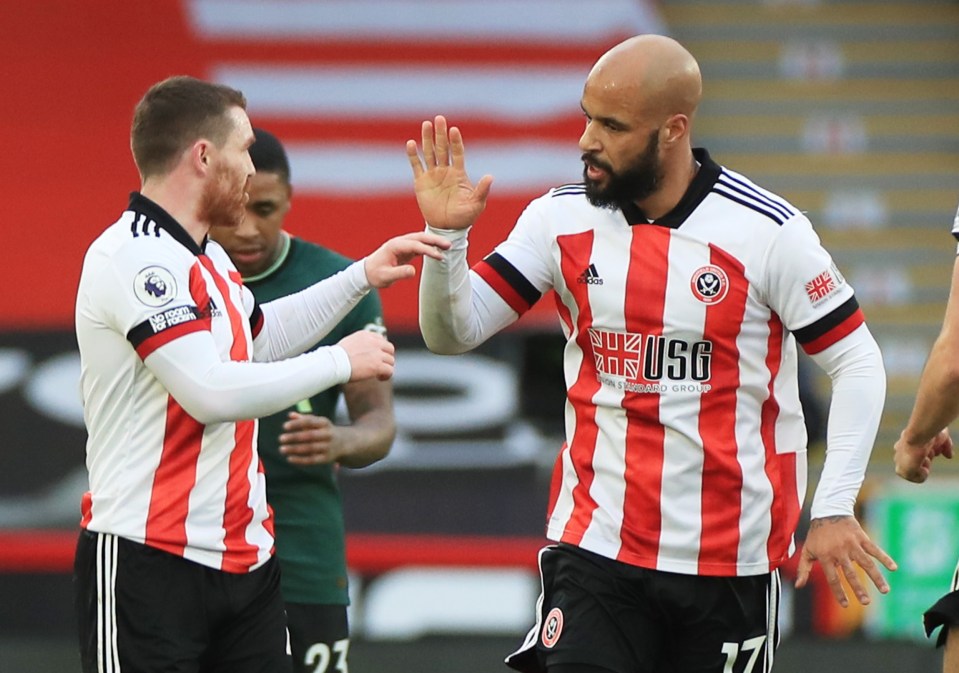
x=223 y=203
x=637 y=182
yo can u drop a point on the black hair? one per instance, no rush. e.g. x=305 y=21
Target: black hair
x=268 y=155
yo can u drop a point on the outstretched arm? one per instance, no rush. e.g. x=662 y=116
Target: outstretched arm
x=211 y=390
x=458 y=312
x=454 y=317
x=937 y=400
x=292 y=324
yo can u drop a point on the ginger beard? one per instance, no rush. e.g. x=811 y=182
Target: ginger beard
x=223 y=203
x=638 y=181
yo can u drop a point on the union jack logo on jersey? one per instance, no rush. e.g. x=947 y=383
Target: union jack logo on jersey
x=616 y=353
x=820 y=287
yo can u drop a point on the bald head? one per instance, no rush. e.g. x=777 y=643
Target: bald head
x=652 y=74
x=639 y=101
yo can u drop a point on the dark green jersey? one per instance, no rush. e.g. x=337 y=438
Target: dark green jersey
x=306 y=499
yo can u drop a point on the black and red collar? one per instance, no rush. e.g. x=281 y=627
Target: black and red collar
x=151 y=211
x=702 y=184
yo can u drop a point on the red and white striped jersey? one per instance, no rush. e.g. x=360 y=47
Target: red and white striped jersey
x=685 y=442
x=157 y=475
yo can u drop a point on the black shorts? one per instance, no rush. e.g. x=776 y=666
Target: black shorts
x=140 y=609
x=608 y=614
x=944 y=613
x=319 y=637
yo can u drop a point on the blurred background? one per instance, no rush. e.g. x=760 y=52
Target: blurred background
x=848 y=108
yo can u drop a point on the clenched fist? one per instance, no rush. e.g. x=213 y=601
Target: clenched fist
x=371 y=355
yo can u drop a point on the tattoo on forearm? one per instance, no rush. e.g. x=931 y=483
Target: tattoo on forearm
x=817 y=523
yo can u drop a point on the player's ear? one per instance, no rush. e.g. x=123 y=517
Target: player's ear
x=200 y=155
x=675 y=128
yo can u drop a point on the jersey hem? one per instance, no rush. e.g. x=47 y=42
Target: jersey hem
x=217 y=560
x=613 y=551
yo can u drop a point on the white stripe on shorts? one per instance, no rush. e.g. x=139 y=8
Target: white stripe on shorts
x=772 y=620
x=530 y=642
x=108 y=658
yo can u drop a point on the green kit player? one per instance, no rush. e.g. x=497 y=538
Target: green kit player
x=302 y=448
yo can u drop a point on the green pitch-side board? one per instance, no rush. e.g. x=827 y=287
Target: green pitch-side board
x=919 y=526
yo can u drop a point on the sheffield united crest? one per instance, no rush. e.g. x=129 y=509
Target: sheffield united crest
x=552 y=627
x=709 y=284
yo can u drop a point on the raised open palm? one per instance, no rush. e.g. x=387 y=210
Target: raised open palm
x=446 y=197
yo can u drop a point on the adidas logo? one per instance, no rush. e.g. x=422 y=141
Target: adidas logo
x=590 y=276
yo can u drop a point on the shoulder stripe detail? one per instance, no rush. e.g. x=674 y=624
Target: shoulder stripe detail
x=753 y=196
x=772 y=215
x=747 y=188
x=144 y=226
x=508 y=282
x=829 y=329
x=564 y=190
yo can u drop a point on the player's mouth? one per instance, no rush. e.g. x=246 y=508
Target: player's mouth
x=247 y=257
x=594 y=170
